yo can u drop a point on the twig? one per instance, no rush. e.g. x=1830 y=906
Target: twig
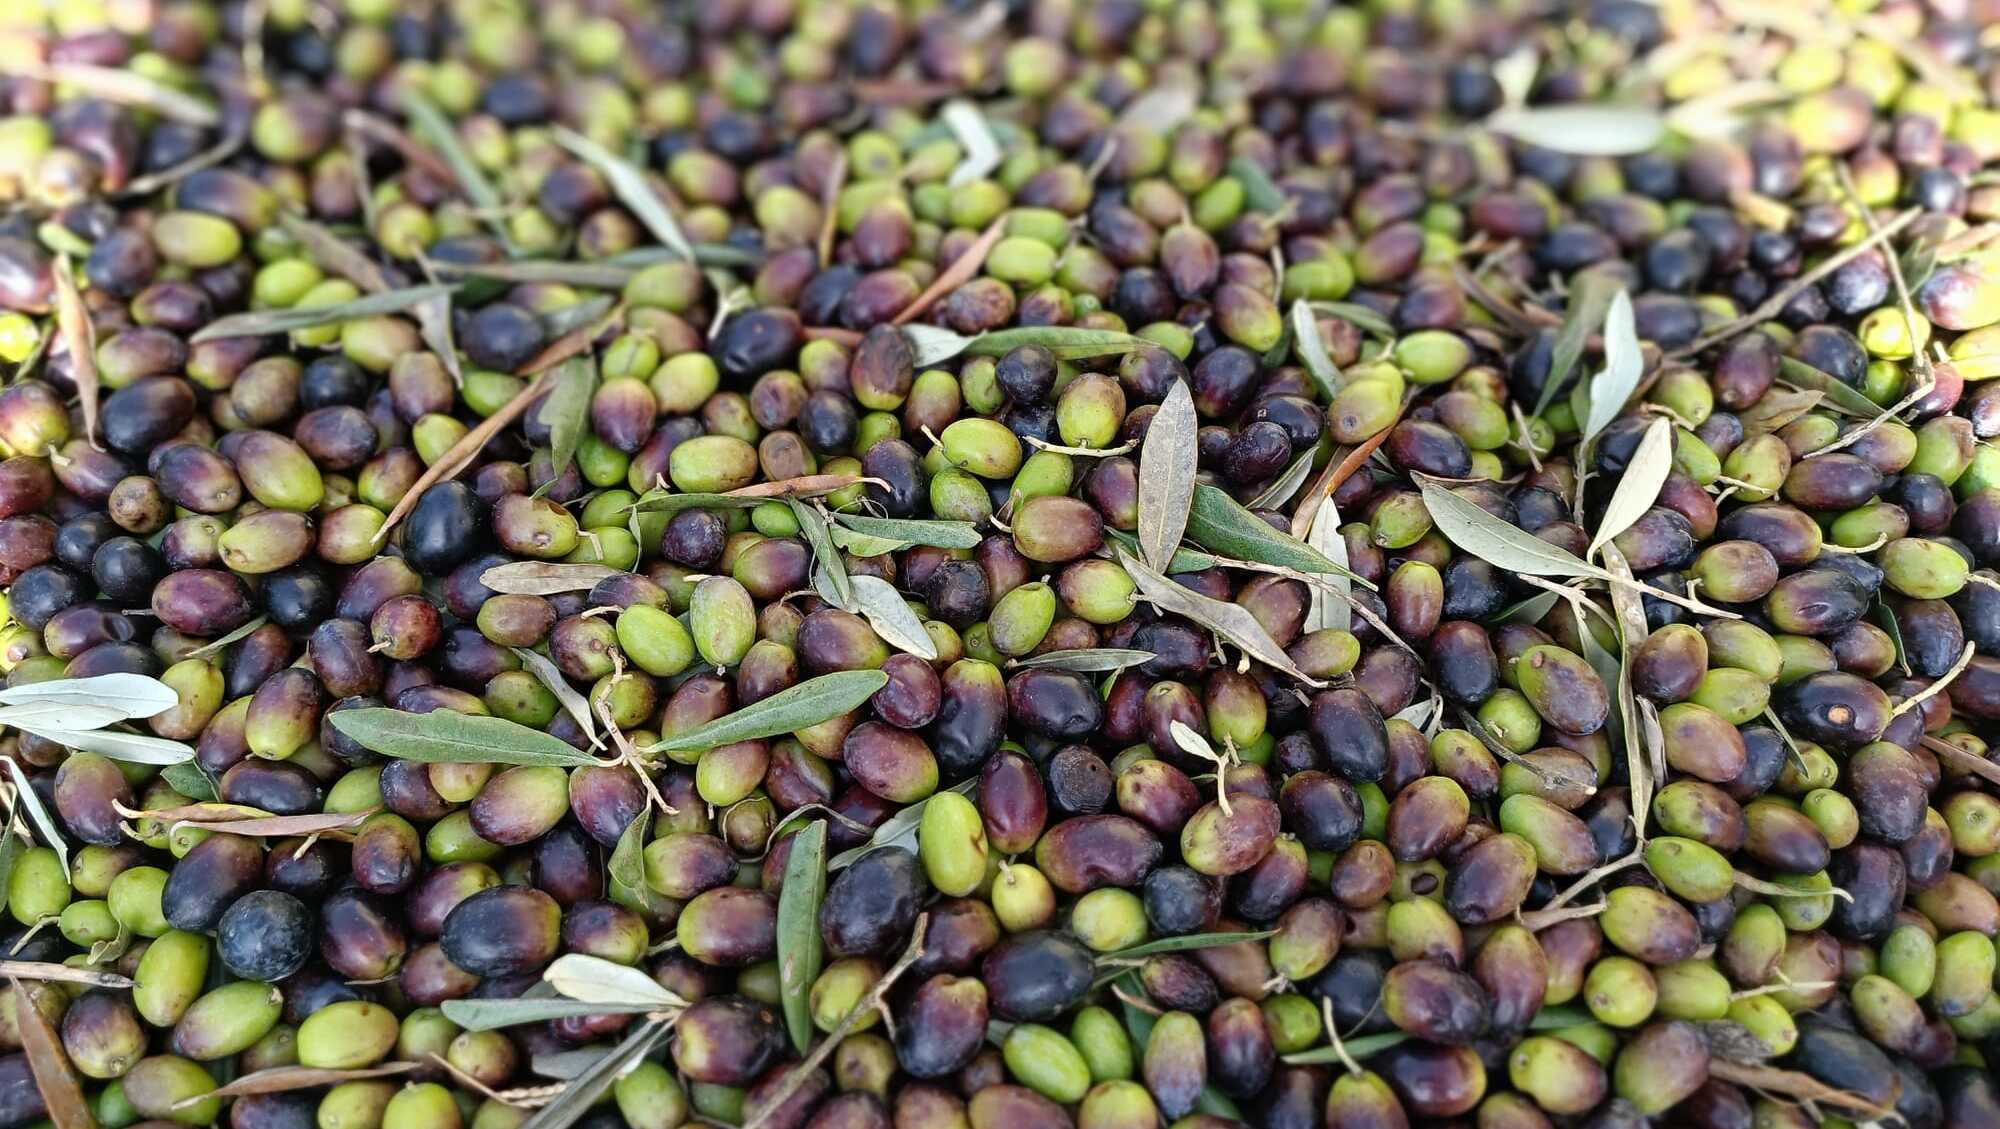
x=1937 y=686
x=1337 y=473
x=462 y=452
x=43 y=970
x=1776 y=303
x=1591 y=877
x=1793 y=1084
x=848 y=1023
x=80 y=339
x=960 y=272
x=829 y=208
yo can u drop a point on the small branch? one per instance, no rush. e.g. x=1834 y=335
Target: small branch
x=1937 y=686
x=855 y=1015
x=961 y=271
x=63 y=973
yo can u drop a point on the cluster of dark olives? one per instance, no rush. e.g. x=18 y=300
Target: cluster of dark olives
x=1424 y=563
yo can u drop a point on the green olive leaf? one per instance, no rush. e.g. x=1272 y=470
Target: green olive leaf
x=217 y=646
x=1183 y=560
x=942 y=534
x=800 y=949
x=626 y=884
x=259 y=323
x=899 y=830
x=1168 y=460
x=566 y=413
x=1259 y=190
x=1843 y=396
x=189 y=780
x=47 y=830
x=1067 y=342
x=1220 y=524
x=1361 y=317
x=284 y=1079
x=1186 y=943
x=447 y=737
x=800 y=707
x=1215 y=1103
x=1360 y=1050
x=10 y=850
x=864 y=544
x=1312 y=351
x=1590 y=294
x=569 y=697
x=632 y=188
x=334 y=253
x=430 y=125
x=1501 y=544
x=813 y=527
x=1624 y=366
x=1089 y=660
x=1583 y=129
x=1645 y=473
x=1232 y=621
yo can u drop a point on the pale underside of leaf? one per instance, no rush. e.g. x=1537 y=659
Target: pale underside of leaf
x=1167 y=464
x=544 y=578
x=1584 y=129
x=132 y=695
x=598 y=981
x=1327 y=609
x=1645 y=473
x=975 y=136
x=1232 y=621
x=798 y=707
x=1624 y=364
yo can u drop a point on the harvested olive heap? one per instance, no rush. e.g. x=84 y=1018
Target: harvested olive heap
x=827 y=564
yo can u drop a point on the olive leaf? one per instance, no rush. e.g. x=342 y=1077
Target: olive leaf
x=1359 y=1049
x=601 y=274
x=47 y=830
x=1590 y=295
x=79 y=336
x=800 y=949
x=1530 y=610
x=1067 y=342
x=1260 y=192
x=1361 y=317
x=813 y=527
x=1624 y=365
x=1885 y=618
x=1503 y=545
x=334 y=253
x=1841 y=395
x=942 y=534
x=589 y=1087
x=430 y=125
x=934 y=344
x=975 y=136
x=799 y=707
x=217 y=646
x=1167 y=463
x=1644 y=744
x=10 y=851
x=877 y=601
x=231 y=820
x=566 y=413
x=259 y=323
x=1089 y=660
x=632 y=188
x=1232 y=621
x=571 y=699
x=626 y=870
x=544 y=578
x=864 y=544
x=50 y=714
x=1162 y=108
x=132 y=696
x=1778 y=407
x=126 y=86
x=55 y=1079
x=189 y=780
x=749 y=497
x=1637 y=488
x=566 y=1065
x=284 y=1079
x=595 y=980
x=1185 y=943
x=1328 y=609
x=1220 y=524
x=446 y=737
x=137 y=748
x=1183 y=560
x=899 y=830
x=489 y=1015
x=1283 y=487
x=1215 y=1103
x=1312 y=351
x=1583 y=129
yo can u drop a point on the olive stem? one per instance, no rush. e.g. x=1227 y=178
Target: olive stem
x=1776 y=303
x=1538 y=920
x=461 y=453
x=829 y=206
x=1774 y=890
x=1937 y=685
x=1593 y=876
x=1791 y=1083
x=961 y=271
x=848 y=1023
x=1333 y=1036
x=43 y=970
x=1977 y=765
x=1880 y=540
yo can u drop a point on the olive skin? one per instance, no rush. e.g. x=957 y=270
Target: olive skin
x=503 y=931
x=1035 y=977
